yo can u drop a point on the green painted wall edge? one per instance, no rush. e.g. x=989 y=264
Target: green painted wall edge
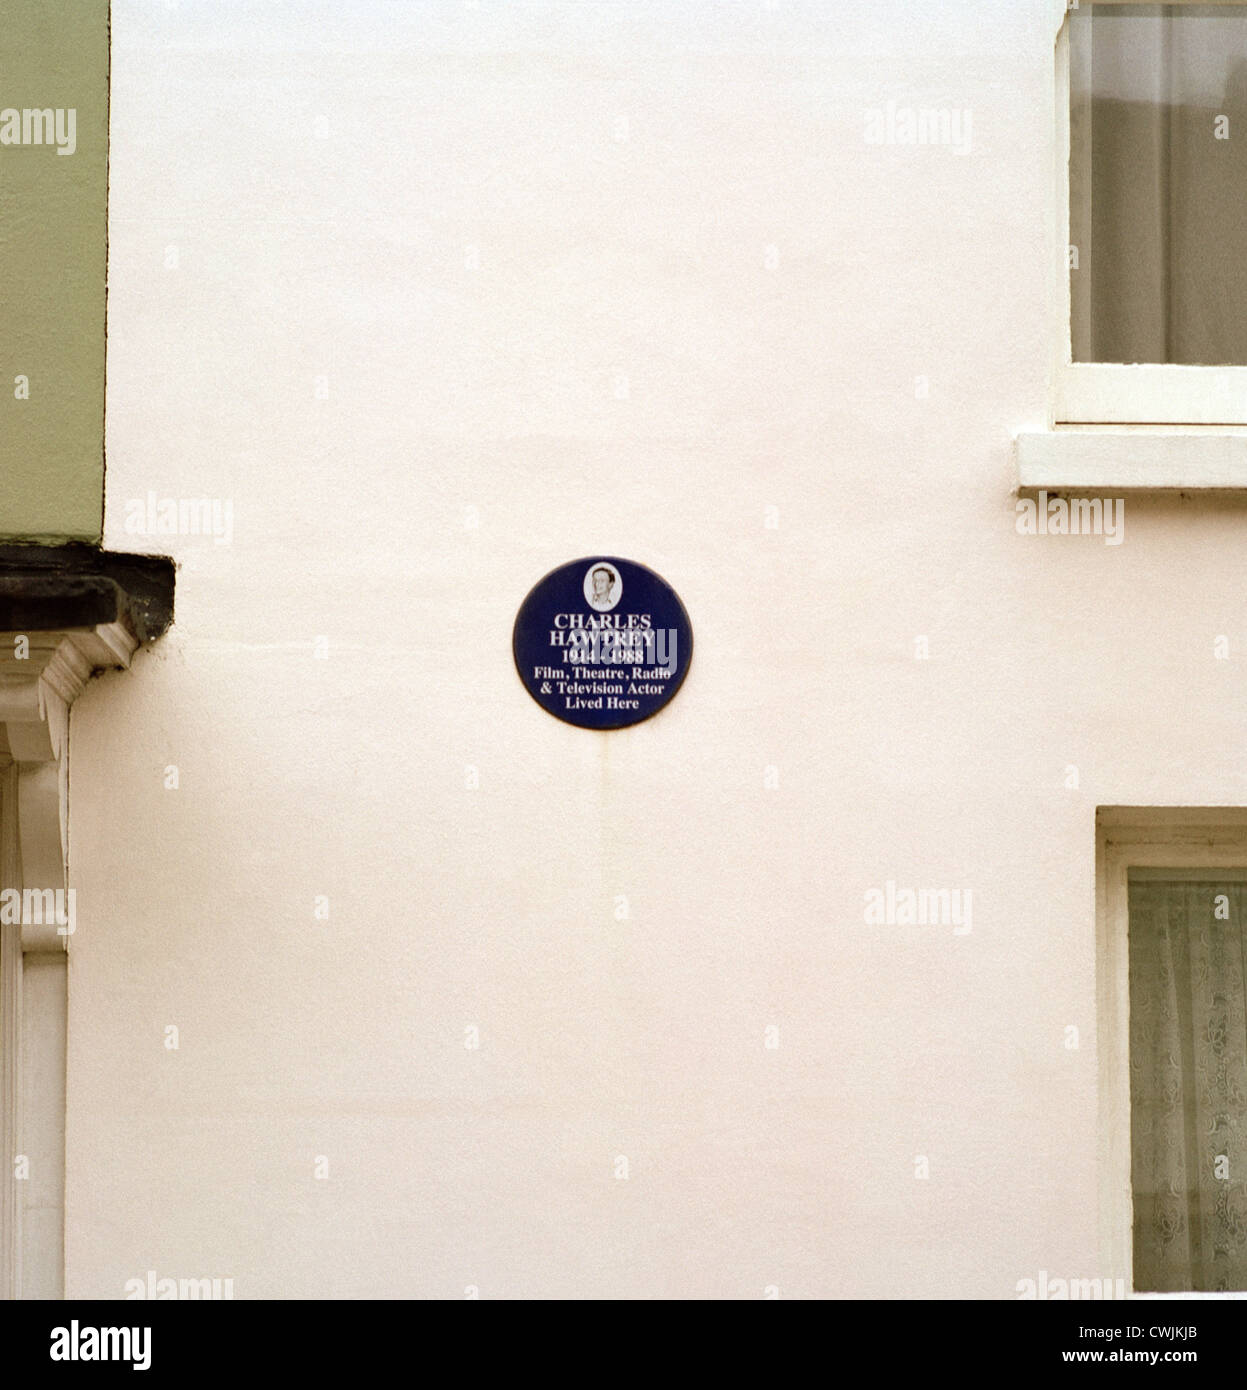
x=53 y=265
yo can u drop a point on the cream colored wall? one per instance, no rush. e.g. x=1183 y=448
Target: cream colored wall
x=606 y=251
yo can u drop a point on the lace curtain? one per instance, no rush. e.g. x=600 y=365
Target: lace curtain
x=1188 y=1080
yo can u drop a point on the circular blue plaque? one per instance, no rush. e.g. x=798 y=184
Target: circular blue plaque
x=602 y=642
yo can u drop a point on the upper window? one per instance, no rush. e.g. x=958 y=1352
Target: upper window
x=1157 y=214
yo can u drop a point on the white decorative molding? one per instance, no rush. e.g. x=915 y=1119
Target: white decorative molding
x=1122 y=459
x=10 y=1045
x=36 y=692
x=41 y=675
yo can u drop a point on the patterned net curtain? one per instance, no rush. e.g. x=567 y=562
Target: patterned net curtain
x=1188 y=1080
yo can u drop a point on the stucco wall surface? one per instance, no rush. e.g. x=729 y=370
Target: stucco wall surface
x=463 y=291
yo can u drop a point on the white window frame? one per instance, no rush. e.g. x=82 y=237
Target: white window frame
x=36 y=694
x=1127 y=838
x=10 y=1050
x=34 y=1001
x=1105 y=393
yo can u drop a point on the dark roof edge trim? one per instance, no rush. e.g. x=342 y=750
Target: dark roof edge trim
x=46 y=588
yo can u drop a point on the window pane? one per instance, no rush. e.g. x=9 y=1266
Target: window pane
x=1158 y=184
x=1188 y=1080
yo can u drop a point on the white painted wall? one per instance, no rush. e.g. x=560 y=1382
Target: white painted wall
x=606 y=251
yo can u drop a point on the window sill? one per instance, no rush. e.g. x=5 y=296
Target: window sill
x=1119 y=458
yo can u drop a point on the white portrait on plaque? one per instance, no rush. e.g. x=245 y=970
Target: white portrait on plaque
x=603 y=587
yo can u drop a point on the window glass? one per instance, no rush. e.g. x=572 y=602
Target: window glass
x=1158 y=184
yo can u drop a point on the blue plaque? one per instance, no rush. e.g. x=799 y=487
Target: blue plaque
x=602 y=642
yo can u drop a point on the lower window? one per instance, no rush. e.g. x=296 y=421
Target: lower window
x=1188 y=1078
